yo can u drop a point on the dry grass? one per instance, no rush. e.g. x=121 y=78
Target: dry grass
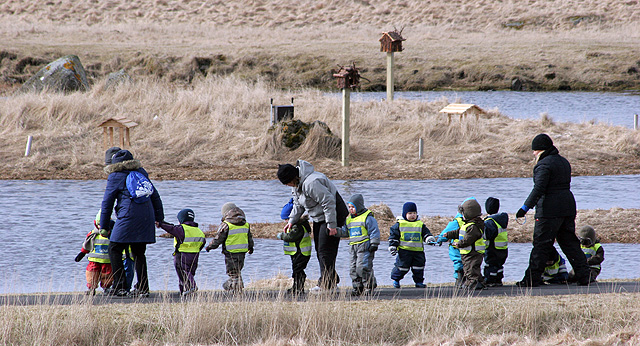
x=462 y=44
x=216 y=128
x=611 y=319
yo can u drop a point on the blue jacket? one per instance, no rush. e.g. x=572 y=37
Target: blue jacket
x=135 y=221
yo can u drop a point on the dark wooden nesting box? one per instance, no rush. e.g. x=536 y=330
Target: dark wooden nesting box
x=348 y=77
x=391 y=42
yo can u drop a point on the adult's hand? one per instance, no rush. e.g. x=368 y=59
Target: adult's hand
x=520 y=213
x=287 y=227
x=333 y=231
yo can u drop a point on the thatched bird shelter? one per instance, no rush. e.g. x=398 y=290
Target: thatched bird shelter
x=123 y=124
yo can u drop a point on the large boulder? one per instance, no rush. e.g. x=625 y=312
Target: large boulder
x=63 y=75
x=117 y=78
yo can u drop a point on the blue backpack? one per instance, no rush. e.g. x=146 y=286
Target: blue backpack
x=139 y=186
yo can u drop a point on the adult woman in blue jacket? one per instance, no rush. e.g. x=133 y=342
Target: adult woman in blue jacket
x=135 y=224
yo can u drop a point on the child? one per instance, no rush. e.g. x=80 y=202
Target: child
x=454 y=253
x=495 y=236
x=364 y=237
x=96 y=244
x=188 y=240
x=592 y=248
x=236 y=240
x=297 y=244
x=405 y=240
x=556 y=271
x=470 y=243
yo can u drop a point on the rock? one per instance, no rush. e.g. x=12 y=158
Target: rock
x=63 y=75
x=312 y=140
x=516 y=84
x=116 y=78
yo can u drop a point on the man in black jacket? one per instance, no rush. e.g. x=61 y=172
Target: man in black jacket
x=555 y=213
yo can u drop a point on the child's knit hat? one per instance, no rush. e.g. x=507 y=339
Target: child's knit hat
x=407 y=208
x=286 y=210
x=226 y=207
x=186 y=215
x=492 y=205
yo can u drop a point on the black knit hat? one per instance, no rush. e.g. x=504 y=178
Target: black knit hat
x=186 y=215
x=541 y=142
x=109 y=154
x=286 y=173
x=492 y=205
x=122 y=155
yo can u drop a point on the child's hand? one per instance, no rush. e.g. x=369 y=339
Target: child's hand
x=279 y=235
x=393 y=250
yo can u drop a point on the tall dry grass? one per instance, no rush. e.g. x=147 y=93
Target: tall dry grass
x=606 y=319
x=216 y=128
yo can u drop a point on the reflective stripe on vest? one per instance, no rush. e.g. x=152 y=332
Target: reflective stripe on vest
x=411 y=235
x=591 y=251
x=238 y=238
x=556 y=268
x=501 y=242
x=100 y=252
x=290 y=248
x=358 y=232
x=193 y=240
x=478 y=245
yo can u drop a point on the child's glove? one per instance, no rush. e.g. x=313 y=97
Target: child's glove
x=250 y=251
x=431 y=240
x=279 y=235
x=80 y=256
x=442 y=239
x=373 y=247
x=393 y=250
x=209 y=248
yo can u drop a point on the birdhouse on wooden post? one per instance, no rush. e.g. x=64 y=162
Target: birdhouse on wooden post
x=390 y=42
x=347 y=78
x=123 y=124
x=462 y=109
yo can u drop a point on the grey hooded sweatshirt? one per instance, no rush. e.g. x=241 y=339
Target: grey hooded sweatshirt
x=316 y=194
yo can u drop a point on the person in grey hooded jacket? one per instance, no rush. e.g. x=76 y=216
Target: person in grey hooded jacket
x=314 y=193
x=364 y=237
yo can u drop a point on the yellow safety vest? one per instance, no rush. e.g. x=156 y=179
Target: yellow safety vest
x=358 y=232
x=591 y=251
x=194 y=240
x=305 y=245
x=411 y=235
x=556 y=268
x=501 y=242
x=479 y=244
x=238 y=238
x=100 y=252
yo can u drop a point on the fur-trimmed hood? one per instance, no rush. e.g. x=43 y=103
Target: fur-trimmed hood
x=129 y=165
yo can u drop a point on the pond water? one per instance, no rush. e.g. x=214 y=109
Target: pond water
x=57 y=214
x=616 y=108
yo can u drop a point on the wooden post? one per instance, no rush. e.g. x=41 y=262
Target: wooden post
x=390 y=81
x=122 y=137
x=420 y=148
x=110 y=136
x=105 y=138
x=635 y=121
x=346 y=100
x=127 y=138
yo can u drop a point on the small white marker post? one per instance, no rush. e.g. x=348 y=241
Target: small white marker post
x=420 y=148
x=635 y=121
x=28 y=149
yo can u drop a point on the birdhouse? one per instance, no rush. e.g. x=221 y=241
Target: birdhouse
x=348 y=77
x=462 y=109
x=391 y=41
x=121 y=123
x=280 y=113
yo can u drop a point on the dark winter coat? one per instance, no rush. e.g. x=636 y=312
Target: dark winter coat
x=551 y=194
x=135 y=221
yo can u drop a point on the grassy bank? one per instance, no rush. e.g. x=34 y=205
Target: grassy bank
x=614 y=225
x=479 y=45
x=217 y=128
x=605 y=319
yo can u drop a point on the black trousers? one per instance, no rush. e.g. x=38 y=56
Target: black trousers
x=327 y=251
x=298 y=265
x=494 y=264
x=140 y=263
x=545 y=232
